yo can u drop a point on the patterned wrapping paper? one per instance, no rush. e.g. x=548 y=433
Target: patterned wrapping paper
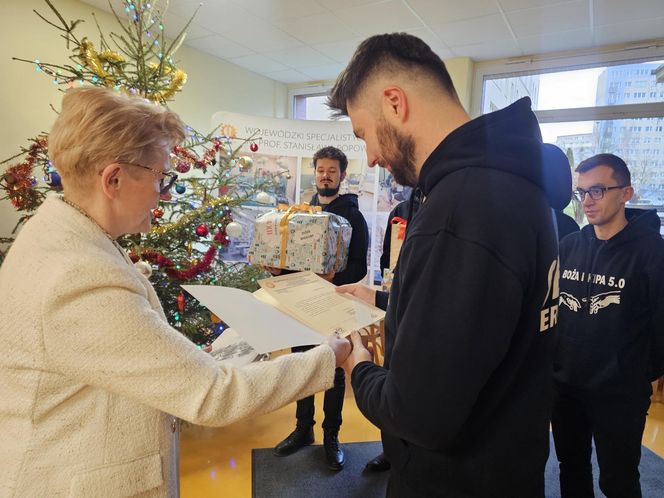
x=301 y=238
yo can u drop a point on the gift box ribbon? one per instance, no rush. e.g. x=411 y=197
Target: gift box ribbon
x=291 y=211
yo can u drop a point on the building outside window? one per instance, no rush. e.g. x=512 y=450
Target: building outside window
x=583 y=113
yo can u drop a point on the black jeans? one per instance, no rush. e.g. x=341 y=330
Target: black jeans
x=333 y=402
x=616 y=424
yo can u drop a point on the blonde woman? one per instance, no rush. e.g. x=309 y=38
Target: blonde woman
x=91 y=374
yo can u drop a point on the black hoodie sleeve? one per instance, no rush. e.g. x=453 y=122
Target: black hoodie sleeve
x=459 y=306
x=656 y=294
x=356 y=269
x=387 y=242
x=381 y=300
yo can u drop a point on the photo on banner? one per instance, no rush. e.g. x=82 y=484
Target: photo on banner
x=390 y=193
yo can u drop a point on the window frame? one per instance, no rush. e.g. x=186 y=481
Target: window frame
x=557 y=62
x=309 y=91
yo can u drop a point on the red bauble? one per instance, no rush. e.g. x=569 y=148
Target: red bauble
x=157 y=212
x=202 y=230
x=182 y=167
x=223 y=189
x=253 y=147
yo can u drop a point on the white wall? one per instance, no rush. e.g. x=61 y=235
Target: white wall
x=461 y=71
x=25 y=96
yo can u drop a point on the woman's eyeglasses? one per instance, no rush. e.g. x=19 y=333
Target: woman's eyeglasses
x=166 y=178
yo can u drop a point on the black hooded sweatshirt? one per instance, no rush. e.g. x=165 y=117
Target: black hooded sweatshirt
x=611 y=317
x=347 y=206
x=463 y=400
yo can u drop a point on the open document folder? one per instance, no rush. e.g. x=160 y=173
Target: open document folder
x=302 y=309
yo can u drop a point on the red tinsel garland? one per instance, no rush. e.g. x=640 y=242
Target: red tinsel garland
x=187 y=158
x=18 y=182
x=169 y=266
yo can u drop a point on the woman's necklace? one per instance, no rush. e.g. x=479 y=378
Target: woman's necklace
x=82 y=211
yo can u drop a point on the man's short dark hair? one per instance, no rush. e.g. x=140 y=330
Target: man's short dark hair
x=389 y=52
x=332 y=153
x=620 y=170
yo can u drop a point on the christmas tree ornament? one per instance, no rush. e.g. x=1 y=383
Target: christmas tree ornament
x=182 y=167
x=245 y=163
x=223 y=190
x=253 y=147
x=53 y=179
x=10 y=179
x=180 y=188
x=181 y=301
x=144 y=268
x=202 y=230
x=157 y=212
x=234 y=229
x=263 y=198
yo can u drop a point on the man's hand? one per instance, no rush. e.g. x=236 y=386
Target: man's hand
x=361 y=291
x=361 y=352
x=341 y=347
x=274 y=271
x=327 y=276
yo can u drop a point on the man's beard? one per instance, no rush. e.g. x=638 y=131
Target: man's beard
x=328 y=191
x=398 y=151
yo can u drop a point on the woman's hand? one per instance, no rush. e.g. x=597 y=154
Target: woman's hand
x=341 y=347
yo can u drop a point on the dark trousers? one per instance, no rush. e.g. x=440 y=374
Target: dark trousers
x=616 y=424
x=333 y=402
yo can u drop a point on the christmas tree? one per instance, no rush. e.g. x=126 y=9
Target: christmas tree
x=190 y=231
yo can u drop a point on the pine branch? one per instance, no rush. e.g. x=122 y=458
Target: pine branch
x=102 y=40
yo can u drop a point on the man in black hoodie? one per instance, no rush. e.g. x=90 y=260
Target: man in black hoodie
x=611 y=333
x=463 y=401
x=330 y=166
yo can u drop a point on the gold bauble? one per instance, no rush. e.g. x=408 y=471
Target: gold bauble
x=245 y=163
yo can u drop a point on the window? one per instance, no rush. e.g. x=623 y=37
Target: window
x=309 y=103
x=581 y=111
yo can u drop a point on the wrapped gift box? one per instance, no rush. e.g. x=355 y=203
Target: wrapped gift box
x=301 y=238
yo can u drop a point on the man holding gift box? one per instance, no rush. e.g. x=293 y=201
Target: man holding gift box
x=330 y=164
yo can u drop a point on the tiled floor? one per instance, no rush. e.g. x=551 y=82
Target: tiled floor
x=217 y=462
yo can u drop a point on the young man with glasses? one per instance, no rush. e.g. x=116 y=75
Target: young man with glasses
x=610 y=329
